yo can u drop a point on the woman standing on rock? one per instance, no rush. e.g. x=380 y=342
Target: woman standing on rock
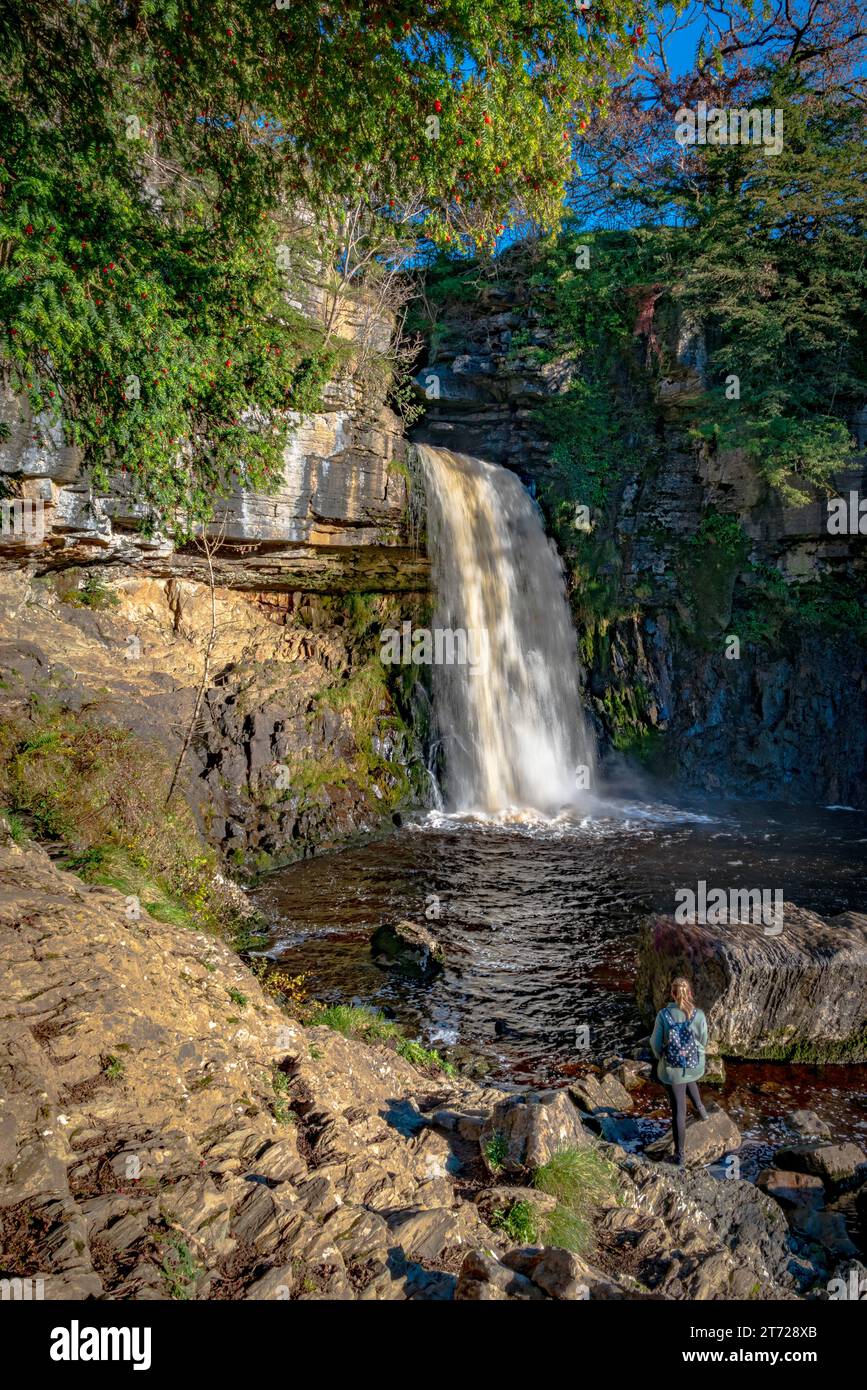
x=678 y=1041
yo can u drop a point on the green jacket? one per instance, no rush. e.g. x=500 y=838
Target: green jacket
x=676 y=1076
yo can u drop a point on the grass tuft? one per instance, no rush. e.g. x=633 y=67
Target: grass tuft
x=370 y=1026
x=580 y=1180
x=520 y=1222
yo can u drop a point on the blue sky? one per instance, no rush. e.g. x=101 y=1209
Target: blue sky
x=681 y=48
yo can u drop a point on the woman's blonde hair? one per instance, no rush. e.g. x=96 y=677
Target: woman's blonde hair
x=681 y=993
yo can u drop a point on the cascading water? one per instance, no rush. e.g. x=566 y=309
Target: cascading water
x=510 y=718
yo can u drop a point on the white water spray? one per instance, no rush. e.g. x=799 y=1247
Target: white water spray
x=514 y=735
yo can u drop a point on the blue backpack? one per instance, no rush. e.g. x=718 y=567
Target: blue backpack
x=681 y=1046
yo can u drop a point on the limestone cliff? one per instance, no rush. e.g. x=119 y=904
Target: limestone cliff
x=302 y=739
x=337 y=521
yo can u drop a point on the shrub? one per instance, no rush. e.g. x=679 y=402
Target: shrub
x=94 y=593
x=519 y=1222
x=495 y=1150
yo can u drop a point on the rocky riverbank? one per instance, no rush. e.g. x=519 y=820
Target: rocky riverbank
x=168 y=1131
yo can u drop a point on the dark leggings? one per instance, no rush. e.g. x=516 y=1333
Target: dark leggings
x=677 y=1101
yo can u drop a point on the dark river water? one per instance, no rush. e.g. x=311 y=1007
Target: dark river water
x=538 y=922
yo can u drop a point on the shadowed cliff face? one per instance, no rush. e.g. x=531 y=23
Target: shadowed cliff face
x=686 y=550
x=300 y=742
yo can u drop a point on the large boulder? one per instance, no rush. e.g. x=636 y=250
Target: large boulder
x=833 y=1163
x=484 y=1279
x=524 y=1131
x=563 y=1275
x=691 y=1235
x=825 y=1228
x=529 y=1273
x=424 y=1234
x=800 y=995
x=792 y=1189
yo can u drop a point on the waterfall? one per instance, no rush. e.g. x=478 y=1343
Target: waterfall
x=510 y=718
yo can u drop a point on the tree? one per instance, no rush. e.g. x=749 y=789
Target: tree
x=774 y=265
x=764 y=246
x=150 y=148
x=630 y=163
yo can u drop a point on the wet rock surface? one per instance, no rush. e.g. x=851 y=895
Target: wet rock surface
x=707 y=1141
x=407 y=946
x=833 y=1163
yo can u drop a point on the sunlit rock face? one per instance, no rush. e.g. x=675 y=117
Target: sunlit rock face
x=336 y=520
x=340 y=489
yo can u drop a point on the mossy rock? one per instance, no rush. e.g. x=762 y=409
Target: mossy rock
x=408 y=947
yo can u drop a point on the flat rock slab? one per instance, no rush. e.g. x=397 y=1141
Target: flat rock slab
x=425 y=1234
x=800 y=995
x=600 y=1095
x=706 y=1140
x=808 y=1123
